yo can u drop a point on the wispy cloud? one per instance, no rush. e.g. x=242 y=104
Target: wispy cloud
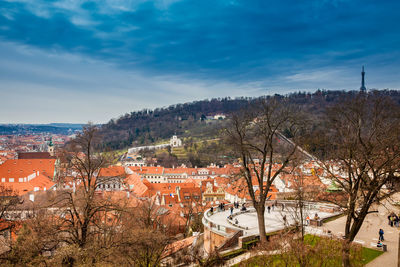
x=39 y=86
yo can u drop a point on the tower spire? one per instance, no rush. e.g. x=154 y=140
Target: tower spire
x=362 y=88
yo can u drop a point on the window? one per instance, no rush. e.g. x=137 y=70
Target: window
x=11 y=180
x=3 y=180
x=21 y=180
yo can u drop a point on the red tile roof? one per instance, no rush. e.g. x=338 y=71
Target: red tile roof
x=40 y=182
x=136 y=185
x=112 y=171
x=19 y=168
x=148 y=170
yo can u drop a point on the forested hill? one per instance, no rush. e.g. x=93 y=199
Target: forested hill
x=189 y=119
x=149 y=126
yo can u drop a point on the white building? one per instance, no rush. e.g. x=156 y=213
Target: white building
x=219 y=117
x=175 y=141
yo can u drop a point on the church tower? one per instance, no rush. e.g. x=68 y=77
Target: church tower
x=362 y=88
x=50 y=147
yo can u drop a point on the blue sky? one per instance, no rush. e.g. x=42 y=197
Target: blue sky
x=75 y=61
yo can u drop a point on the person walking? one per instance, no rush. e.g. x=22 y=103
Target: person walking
x=269 y=209
x=381 y=235
x=231 y=210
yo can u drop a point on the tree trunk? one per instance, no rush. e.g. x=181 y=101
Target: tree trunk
x=84 y=230
x=261 y=222
x=301 y=219
x=346 y=254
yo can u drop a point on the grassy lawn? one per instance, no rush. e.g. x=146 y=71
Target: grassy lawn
x=369 y=254
x=321 y=252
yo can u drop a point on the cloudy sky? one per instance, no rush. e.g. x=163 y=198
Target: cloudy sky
x=75 y=61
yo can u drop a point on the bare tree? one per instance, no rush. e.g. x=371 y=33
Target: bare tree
x=83 y=207
x=36 y=238
x=364 y=155
x=8 y=200
x=255 y=135
x=192 y=209
x=143 y=236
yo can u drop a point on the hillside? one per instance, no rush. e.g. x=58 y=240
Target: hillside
x=189 y=120
x=185 y=120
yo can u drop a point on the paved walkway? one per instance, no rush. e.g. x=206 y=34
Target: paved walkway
x=368 y=234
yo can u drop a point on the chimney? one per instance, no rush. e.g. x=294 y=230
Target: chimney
x=32 y=197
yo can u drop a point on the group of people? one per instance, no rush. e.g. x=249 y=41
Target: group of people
x=393 y=220
x=269 y=207
x=221 y=207
x=236 y=204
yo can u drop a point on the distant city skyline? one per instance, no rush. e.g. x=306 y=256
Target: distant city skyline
x=79 y=61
